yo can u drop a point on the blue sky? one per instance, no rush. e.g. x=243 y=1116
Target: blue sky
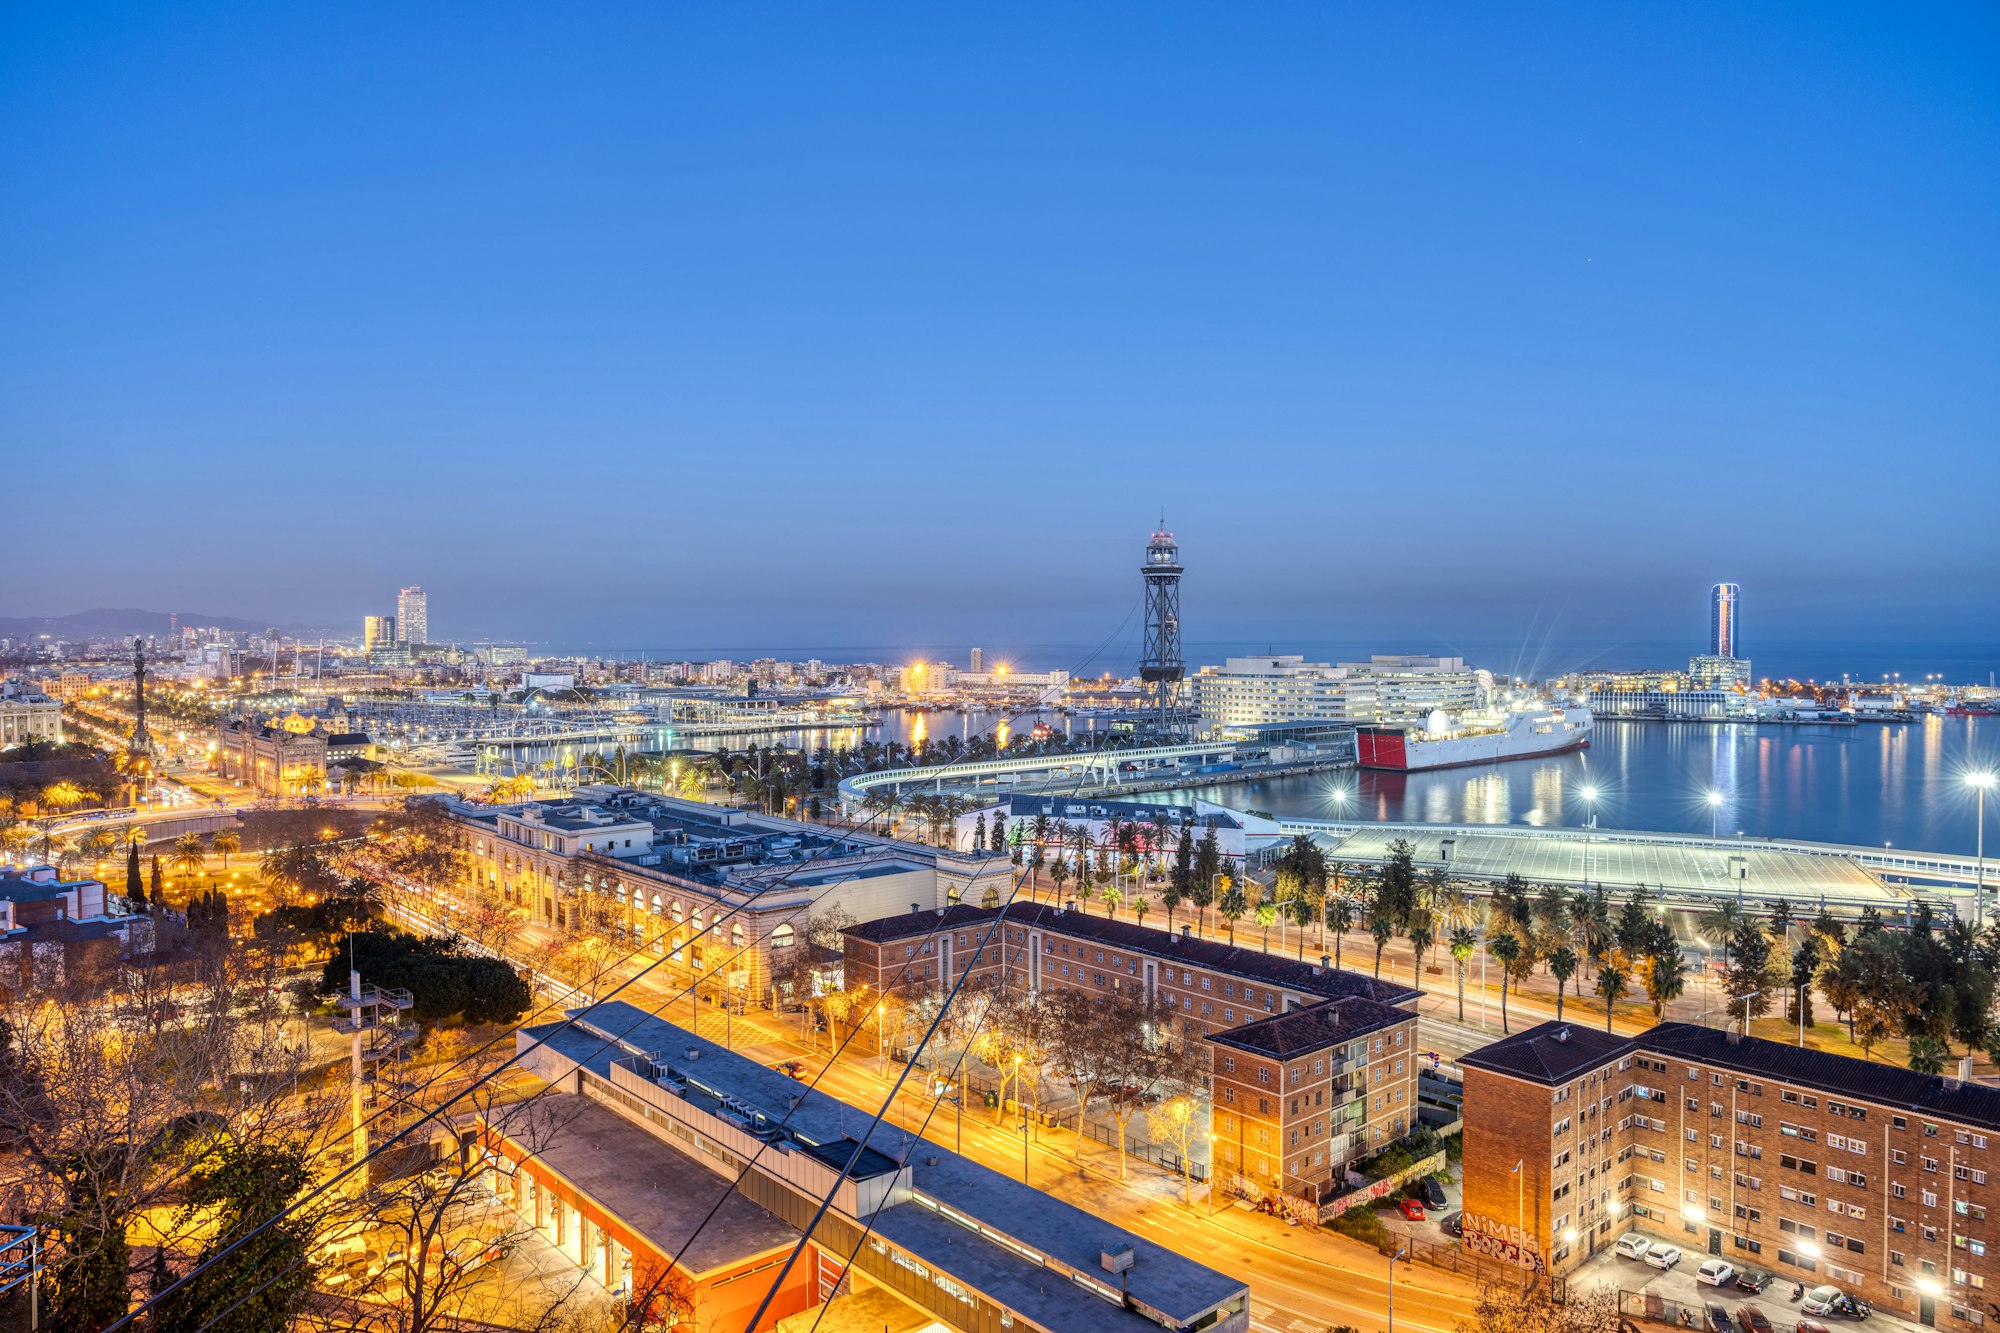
x=872 y=324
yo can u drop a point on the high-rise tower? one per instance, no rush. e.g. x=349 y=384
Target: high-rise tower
x=142 y=739
x=1161 y=665
x=413 y=622
x=1722 y=621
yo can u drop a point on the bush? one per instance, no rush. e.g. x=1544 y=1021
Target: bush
x=1361 y=1223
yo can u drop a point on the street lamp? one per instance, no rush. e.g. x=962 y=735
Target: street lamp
x=1979 y=782
x=1589 y=795
x=1400 y=1254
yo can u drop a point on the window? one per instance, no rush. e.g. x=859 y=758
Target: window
x=783 y=937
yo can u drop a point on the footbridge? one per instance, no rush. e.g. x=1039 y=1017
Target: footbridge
x=1094 y=771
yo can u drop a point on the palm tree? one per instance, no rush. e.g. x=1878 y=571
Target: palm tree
x=1420 y=940
x=1267 y=916
x=1461 y=943
x=1562 y=966
x=224 y=843
x=189 y=854
x=1231 y=908
x=1340 y=920
x=61 y=797
x=97 y=844
x=1611 y=981
x=1505 y=948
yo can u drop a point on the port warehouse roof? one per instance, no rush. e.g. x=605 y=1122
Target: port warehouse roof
x=949 y=1187
x=1622 y=864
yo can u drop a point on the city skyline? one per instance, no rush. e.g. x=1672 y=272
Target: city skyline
x=1466 y=361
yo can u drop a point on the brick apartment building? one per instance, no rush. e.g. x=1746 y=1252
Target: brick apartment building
x=1312 y=1067
x=1820 y=1168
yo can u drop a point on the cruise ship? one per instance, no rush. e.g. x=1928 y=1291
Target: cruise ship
x=1445 y=741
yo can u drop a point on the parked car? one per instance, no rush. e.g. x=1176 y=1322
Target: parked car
x=1716 y=1273
x=1663 y=1256
x=1431 y=1191
x=1752 y=1280
x=1717 y=1318
x=1752 y=1319
x=1455 y=1224
x=1411 y=1209
x=1831 y=1300
x=1812 y=1326
x=1632 y=1245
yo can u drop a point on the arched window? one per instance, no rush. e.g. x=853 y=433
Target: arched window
x=677 y=911
x=953 y=894
x=656 y=904
x=783 y=937
x=695 y=921
x=992 y=898
x=736 y=935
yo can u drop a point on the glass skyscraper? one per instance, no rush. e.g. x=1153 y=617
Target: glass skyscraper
x=1722 y=621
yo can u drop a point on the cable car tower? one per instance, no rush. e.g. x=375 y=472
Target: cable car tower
x=1161 y=666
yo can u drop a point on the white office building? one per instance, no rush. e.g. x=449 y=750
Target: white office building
x=1387 y=688
x=413 y=621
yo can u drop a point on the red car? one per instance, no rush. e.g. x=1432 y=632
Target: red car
x=1411 y=1209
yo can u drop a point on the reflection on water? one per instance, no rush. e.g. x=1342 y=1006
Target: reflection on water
x=1873 y=783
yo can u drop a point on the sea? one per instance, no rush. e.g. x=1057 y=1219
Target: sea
x=1895 y=784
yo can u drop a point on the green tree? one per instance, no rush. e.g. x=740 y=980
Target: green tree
x=1747 y=979
x=1927 y=1055
x=135 y=884
x=259 y=1286
x=1462 y=944
x=1562 y=966
x=1207 y=865
x=1231 y=908
x=1663 y=969
x=1612 y=980
x=1267 y=916
x=1506 y=950
x=225 y=844
x=1339 y=920
x=1383 y=928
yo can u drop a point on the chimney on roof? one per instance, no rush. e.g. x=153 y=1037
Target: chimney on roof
x=1562 y=1033
x=1954 y=1081
x=916 y=908
x=1325 y=960
x=1185 y=931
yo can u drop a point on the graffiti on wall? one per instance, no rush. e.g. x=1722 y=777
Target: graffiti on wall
x=1497 y=1240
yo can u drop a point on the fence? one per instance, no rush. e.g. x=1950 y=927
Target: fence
x=1457 y=1259
x=1660 y=1310
x=1380 y=1189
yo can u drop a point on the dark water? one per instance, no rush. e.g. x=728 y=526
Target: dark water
x=1871 y=783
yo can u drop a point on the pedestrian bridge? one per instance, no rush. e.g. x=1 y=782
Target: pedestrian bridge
x=1098 y=769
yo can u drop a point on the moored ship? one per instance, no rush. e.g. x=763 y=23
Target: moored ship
x=1445 y=741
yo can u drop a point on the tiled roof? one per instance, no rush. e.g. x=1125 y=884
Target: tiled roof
x=914 y=925
x=1549 y=1053
x=1283 y=1036
x=1236 y=961
x=1839 y=1075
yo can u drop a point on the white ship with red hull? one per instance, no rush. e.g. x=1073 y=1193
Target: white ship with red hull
x=1445 y=741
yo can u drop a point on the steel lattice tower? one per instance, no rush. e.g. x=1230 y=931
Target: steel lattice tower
x=1162 y=665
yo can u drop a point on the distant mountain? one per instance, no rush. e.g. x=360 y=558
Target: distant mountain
x=109 y=623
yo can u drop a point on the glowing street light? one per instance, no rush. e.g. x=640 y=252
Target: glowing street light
x=1979 y=782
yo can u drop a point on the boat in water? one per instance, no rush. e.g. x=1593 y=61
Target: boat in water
x=1484 y=737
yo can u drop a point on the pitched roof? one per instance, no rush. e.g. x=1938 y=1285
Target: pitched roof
x=1283 y=1036
x=914 y=925
x=1838 y=1075
x=1237 y=961
x=1549 y=1053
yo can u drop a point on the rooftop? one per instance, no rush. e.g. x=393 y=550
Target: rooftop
x=1024 y=805
x=1549 y=1053
x=1283 y=1036
x=1839 y=1075
x=1237 y=961
x=624 y=1168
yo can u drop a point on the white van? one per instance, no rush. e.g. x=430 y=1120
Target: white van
x=1632 y=1245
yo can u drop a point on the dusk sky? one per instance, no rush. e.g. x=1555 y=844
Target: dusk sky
x=729 y=324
